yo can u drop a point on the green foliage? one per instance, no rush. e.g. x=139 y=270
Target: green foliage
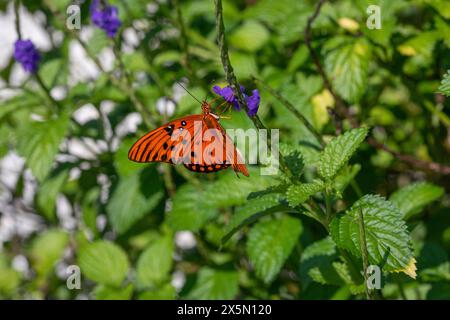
x=47 y=249
x=387 y=236
x=270 y=244
x=297 y=194
x=444 y=88
x=104 y=262
x=39 y=143
x=413 y=198
x=215 y=285
x=69 y=195
x=192 y=207
x=338 y=151
x=155 y=262
x=134 y=197
x=347 y=63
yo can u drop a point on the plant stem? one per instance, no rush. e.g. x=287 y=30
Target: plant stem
x=146 y=116
x=364 y=253
x=17 y=20
x=292 y=109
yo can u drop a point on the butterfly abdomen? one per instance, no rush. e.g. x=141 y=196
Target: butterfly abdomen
x=206 y=168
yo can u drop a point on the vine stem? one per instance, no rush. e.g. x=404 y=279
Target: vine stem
x=232 y=80
x=344 y=113
x=17 y=19
x=364 y=253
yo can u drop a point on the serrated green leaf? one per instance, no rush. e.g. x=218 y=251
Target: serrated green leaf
x=293 y=158
x=413 y=198
x=299 y=193
x=270 y=243
x=339 y=150
x=444 y=88
x=39 y=143
x=347 y=64
x=387 y=236
x=155 y=262
x=134 y=197
x=215 y=285
x=104 y=262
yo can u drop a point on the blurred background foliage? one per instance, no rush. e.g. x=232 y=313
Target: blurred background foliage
x=70 y=196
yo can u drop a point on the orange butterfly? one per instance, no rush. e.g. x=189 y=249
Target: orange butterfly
x=197 y=141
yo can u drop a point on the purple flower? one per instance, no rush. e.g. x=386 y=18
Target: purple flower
x=27 y=55
x=228 y=95
x=105 y=17
x=253 y=103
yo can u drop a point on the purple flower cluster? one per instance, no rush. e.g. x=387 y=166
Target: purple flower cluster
x=27 y=55
x=105 y=17
x=229 y=96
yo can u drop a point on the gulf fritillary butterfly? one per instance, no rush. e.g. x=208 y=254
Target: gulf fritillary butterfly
x=197 y=141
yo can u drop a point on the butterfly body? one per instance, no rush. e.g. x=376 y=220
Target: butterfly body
x=197 y=141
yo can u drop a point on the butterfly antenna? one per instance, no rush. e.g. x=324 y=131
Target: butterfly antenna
x=189 y=92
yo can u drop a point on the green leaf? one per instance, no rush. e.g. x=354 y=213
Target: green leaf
x=433 y=263
x=193 y=207
x=345 y=176
x=155 y=263
x=165 y=292
x=413 y=198
x=244 y=64
x=97 y=41
x=251 y=211
x=215 y=285
x=53 y=72
x=444 y=88
x=39 y=143
x=251 y=36
x=103 y=262
x=299 y=193
x=134 y=197
x=123 y=165
x=339 y=150
x=293 y=158
x=47 y=249
x=47 y=193
x=103 y=292
x=288 y=18
x=347 y=64
x=318 y=256
x=9 y=281
x=387 y=236
x=270 y=243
